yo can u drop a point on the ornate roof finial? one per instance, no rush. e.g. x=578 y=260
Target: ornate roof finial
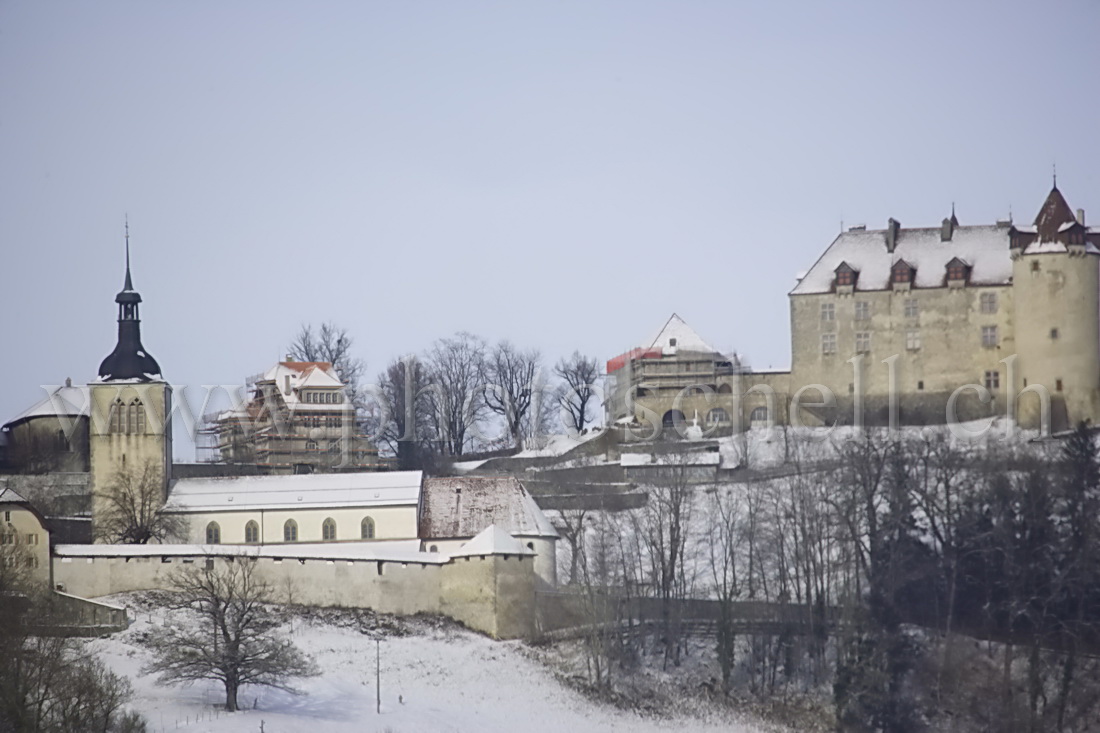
x=1054 y=169
x=129 y=283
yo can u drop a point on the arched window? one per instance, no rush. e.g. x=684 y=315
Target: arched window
x=433 y=548
x=290 y=531
x=725 y=388
x=213 y=534
x=367 y=529
x=328 y=529
x=717 y=415
x=252 y=533
x=758 y=417
x=118 y=419
x=136 y=419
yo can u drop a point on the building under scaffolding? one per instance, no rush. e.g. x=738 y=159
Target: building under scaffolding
x=297 y=419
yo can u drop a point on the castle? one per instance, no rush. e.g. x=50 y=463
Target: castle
x=902 y=326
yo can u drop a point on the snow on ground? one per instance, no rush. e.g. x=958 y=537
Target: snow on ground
x=437 y=678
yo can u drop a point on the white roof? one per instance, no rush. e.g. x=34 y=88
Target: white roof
x=492 y=541
x=68 y=401
x=8 y=496
x=984 y=248
x=318 y=490
x=686 y=339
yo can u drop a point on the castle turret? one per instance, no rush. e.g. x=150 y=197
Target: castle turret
x=130 y=432
x=1056 y=285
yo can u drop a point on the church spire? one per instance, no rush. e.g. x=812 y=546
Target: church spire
x=129 y=360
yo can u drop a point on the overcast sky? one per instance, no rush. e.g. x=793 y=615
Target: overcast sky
x=562 y=174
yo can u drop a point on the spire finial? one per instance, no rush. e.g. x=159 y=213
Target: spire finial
x=129 y=283
x=1054 y=169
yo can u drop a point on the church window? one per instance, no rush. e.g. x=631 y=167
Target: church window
x=213 y=534
x=863 y=341
x=992 y=380
x=912 y=309
x=290 y=531
x=366 y=528
x=912 y=339
x=828 y=343
x=863 y=310
x=136 y=418
x=828 y=311
x=118 y=419
x=989 y=336
x=758 y=417
x=328 y=529
x=717 y=415
x=252 y=532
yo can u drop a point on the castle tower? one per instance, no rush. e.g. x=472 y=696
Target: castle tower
x=130 y=434
x=1056 y=286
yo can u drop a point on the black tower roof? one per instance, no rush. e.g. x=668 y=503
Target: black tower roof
x=129 y=360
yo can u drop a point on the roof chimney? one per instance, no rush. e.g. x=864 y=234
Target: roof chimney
x=290 y=358
x=892 y=227
x=1081 y=217
x=946 y=230
x=69 y=380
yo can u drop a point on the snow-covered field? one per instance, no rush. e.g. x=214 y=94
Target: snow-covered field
x=435 y=678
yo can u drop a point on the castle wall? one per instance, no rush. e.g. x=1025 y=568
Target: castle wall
x=493 y=594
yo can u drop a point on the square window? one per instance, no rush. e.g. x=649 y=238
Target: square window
x=988 y=302
x=828 y=312
x=912 y=310
x=863 y=310
x=912 y=339
x=1054 y=333
x=828 y=343
x=989 y=336
x=863 y=341
x=920 y=385
x=992 y=380
x=1058 y=385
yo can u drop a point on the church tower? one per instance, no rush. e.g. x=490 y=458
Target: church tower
x=1056 y=291
x=130 y=430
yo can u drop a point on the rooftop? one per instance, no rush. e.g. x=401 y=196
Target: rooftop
x=463 y=506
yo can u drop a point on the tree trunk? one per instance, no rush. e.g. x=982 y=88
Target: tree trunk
x=231 y=696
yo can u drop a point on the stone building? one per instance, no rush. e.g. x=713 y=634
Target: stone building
x=298 y=420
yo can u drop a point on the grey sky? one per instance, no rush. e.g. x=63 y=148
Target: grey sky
x=564 y=174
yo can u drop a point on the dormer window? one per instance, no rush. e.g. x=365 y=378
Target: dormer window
x=958 y=272
x=902 y=273
x=846 y=276
x=1076 y=236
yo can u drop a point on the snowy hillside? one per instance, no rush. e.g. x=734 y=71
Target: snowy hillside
x=435 y=677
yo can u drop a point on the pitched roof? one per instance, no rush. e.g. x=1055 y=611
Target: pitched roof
x=1054 y=213
x=984 y=248
x=309 y=491
x=8 y=496
x=463 y=506
x=492 y=541
x=68 y=401
x=677 y=335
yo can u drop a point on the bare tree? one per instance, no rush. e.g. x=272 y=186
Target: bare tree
x=406 y=411
x=128 y=508
x=236 y=641
x=578 y=392
x=332 y=343
x=456 y=367
x=511 y=376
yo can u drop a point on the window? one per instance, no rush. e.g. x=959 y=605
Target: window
x=717 y=415
x=310 y=445
x=1054 y=333
x=912 y=339
x=956 y=270
x=912 y=310
x=920 y=385
x=366 y=528
x=992 y=380
x=863 y=341
x=433 y=548
x=1035 y=265
x=332 y=422
x=252 y=533
x=989 y=336
x=213 y=534
x=7 y=516
x=118 y=420
x=290 y=531
x=1058 y=385
x=828 y=343
x=328 y=529
x=758 y=417
x=845 y=275
x=828 y=311
x=988 y=302
x=136 y=419
x=863 y=310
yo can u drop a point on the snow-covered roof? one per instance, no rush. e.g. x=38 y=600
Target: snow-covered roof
x=984 y=248
x=492 y=541
x=68 y=401
x=311 y=491
x=677 y=335
x=8 y=496
x=288 y=378
x=463 y=506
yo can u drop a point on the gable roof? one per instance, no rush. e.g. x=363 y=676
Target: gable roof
x=308 y=491
x=67 y=401
x=984 y=248
x=492 y=541
x=463 y=506
x=686 y=339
